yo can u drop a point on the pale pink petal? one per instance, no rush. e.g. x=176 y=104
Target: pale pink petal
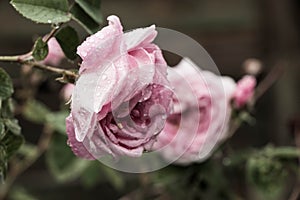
x=102 y=47
x=139 y=37
x=201 y=114
x=77 y=147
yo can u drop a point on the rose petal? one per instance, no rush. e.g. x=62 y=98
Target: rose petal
x=139 y=37
x=103 y=46
x=77 y=147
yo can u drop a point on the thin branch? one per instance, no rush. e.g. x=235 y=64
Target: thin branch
x=27 y=59
x=18 y=58
x=54 y=69
x=267 y=82
x=52 y=33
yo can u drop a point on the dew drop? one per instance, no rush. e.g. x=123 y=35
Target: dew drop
x=49 y=21
x=104 y=77
x=84 y=53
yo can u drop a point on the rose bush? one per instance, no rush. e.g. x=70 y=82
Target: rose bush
x=122 y=97
x=201 y=114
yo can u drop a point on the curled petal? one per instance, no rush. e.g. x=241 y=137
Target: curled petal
x=103 y=46
x=77 y=147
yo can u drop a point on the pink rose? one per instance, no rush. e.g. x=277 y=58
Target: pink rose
x=122 y=97
x=244 y=90
x=201 y=114
x=55 y=53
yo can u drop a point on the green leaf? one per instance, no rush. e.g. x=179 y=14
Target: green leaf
x=3 y=163
x=6 y=87
x=2 y=129
x=13 y=126
x=43 y=11
x=92 y=175
x=7 y=108
x=28 y=150
x=83 y=19
x=68 y=39
x=61 y=161
x=40 y=49
x=12 y=143
x=267 y=175
x=92 y=8
x=58 y=121
x=113 y=176
x=35 y=111
x=97 y=172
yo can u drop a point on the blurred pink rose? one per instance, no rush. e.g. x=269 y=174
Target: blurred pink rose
x=121 y=99
x=244 y=91
x=55 y=53
x=201 y=114
x=66 y=91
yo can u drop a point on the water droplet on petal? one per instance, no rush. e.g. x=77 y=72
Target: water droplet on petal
x=83 y=53
x=104 y=77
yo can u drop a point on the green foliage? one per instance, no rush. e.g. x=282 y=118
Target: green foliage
x=9 y=144
x=57 y=121
x=92 y=8
x=268 y=169
x=68 y=39
x=10 y=137
x=61 y=161
x=3 y=163
x=199 y=181
x=6 y=88
x=86 y=12
x=43 y=11
x=80 y=16
x=97 y=172
x=40 y=49
x=35 y=111
x=28 y=150
x=20 y=193
x=267 y=175
x=7 y=109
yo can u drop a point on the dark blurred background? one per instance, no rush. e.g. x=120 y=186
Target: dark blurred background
x=231 y=31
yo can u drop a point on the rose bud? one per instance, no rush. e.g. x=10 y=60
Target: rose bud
x=55 y=53
x=244 y=90
x=66 y=92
